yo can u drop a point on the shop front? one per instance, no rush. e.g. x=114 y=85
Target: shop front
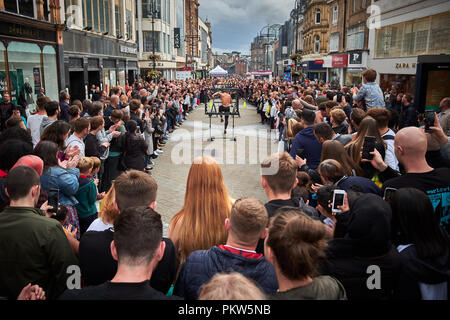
x=314 y=70
x=357 y=63
x=336 y=65
x=28 y=59
x=400 y=73
x=102 y=61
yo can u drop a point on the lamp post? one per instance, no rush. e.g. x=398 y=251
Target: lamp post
x=154 y=12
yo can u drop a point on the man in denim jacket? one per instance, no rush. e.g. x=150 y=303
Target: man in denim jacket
x=370 y=90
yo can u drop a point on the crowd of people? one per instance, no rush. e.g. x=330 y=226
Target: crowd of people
x=97 y=155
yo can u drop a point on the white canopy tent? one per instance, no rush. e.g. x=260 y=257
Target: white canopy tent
x=218 y=71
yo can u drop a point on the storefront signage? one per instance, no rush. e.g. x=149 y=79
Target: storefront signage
x=405 y=65
x=318 y=61
x=125 y=49
x=176 y=37
x=16 y=30
x=340 y=60
x=355 y=57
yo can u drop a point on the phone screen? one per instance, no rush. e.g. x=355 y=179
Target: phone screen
x=429 y=121
x=369 y=146
x=53 y=199
x=338 y=200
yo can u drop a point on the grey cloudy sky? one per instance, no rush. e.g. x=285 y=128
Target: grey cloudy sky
x=235 y=23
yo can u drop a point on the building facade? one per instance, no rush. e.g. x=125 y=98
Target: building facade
x=31 y=52
x=204 y=48
x=99 y=45
x=192 y=33
x=348 y=46
x=161 y=34
x=407 y=30
x=315 y=39
x=262 y=51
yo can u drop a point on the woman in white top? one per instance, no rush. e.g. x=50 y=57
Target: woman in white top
x=107 y=214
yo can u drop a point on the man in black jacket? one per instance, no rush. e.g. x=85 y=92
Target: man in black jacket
x=64 y=99
x=6 y=110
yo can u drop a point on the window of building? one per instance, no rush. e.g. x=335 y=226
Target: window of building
x=354 y=5
x=129 y=22
x=335 y=15
x=317 y=16
x=355 y=38
x=428 y=35
x=148 y=41
x=87 y=13
x=334 y=42
x=118 y=17
x=23 y=7
x=316 y=44
x=147 y=8
x=180 y=24
x=363 y=4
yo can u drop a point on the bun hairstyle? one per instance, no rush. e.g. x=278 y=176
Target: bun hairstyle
x=297 y=242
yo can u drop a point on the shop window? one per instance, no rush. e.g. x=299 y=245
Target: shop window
x=25 y=72
x=50 y=72
x=3 y=79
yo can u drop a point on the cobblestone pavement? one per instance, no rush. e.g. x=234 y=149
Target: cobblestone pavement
x=238 y=160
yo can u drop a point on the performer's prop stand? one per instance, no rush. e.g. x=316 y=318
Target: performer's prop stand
x=212 y=111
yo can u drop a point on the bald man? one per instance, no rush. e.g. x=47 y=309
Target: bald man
x=410 y=149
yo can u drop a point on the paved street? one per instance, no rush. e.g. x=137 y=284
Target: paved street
x=238 y=160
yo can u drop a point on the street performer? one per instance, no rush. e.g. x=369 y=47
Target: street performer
x=225 y=107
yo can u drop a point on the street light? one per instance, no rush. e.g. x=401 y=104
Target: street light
x=295 y=13
x=153 y=13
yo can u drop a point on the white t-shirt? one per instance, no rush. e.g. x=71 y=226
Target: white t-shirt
x=34 y=124
x=99 y=225
x=390 y=158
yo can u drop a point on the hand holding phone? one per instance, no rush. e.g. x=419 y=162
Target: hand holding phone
x=338 y=201
x=429 y=121
x=53 y=200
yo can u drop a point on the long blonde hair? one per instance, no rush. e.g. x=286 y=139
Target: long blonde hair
x=108 y=212
x=206 y=206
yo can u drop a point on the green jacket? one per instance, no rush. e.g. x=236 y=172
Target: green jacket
x=86 y=196
x=33 y=249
